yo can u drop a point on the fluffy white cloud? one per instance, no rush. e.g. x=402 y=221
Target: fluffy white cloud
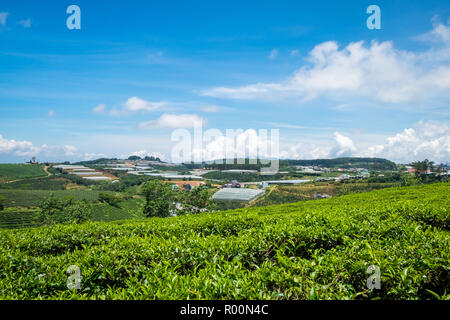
x=425 y=140
x=345 y=144
x=173 y=121
x=3 y=17
x=217 y=145
x=28 y=149
x=131 y=106
x=20 y=148
x=375 y=71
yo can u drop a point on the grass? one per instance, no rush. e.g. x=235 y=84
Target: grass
x=306 y=250
x=10 y=172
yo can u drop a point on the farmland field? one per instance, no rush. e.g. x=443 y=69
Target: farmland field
x=18 y=218
x=31 y=198
x=278 y=194
x=10 y=172
x=44 y=183
x=307 y=250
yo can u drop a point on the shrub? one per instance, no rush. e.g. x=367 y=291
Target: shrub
x=112 y=200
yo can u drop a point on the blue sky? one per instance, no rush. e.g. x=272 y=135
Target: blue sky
x=137 y=70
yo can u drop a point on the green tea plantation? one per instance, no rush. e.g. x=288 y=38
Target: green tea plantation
x=318 y=249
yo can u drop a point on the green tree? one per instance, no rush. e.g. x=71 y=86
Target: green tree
x=159 y=199
x=422 y=167
x=53 y=210
x=50 y=210
x=110 y=199
x=197 y=200
x=77 y=212
x=134 y=158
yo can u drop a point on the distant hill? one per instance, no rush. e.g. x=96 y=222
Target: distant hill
x=354 y=162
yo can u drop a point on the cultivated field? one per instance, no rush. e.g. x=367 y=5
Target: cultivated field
x=11 y=172
x=31 y=198
x=307 y=250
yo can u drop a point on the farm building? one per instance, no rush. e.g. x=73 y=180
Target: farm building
x=69 y=167
x=237 y=194
x=182 y=184
x=173 y=176
x=98 y=178
x=286 y=181
x=239 y=171
x=94 y=173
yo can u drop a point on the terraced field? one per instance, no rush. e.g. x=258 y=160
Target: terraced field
x=18 y=219
x=318 y=249
x=13 y=218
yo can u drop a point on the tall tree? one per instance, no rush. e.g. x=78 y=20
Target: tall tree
x=159 y=199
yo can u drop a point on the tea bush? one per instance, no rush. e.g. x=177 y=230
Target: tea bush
x=308 y=250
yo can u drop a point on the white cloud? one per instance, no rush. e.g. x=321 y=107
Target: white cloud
x=91 y=156
x=217 y=146
x=3 y=17
x=28 y=149
x=25 y=23
x=136 y=104
x=167 y=121
x=131 y=106
x=144 y=153
x=273 y=54
x=424 y=140
x=295 y=53
x=345 y=144
x=20 y=148
x=375 y=71
x=50 y=113
x=70 y=150
x=211 y=109
x=100 y=109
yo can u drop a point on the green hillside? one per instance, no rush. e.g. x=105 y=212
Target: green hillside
x=31 y=198
x=9 y=172
x=307 y=250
